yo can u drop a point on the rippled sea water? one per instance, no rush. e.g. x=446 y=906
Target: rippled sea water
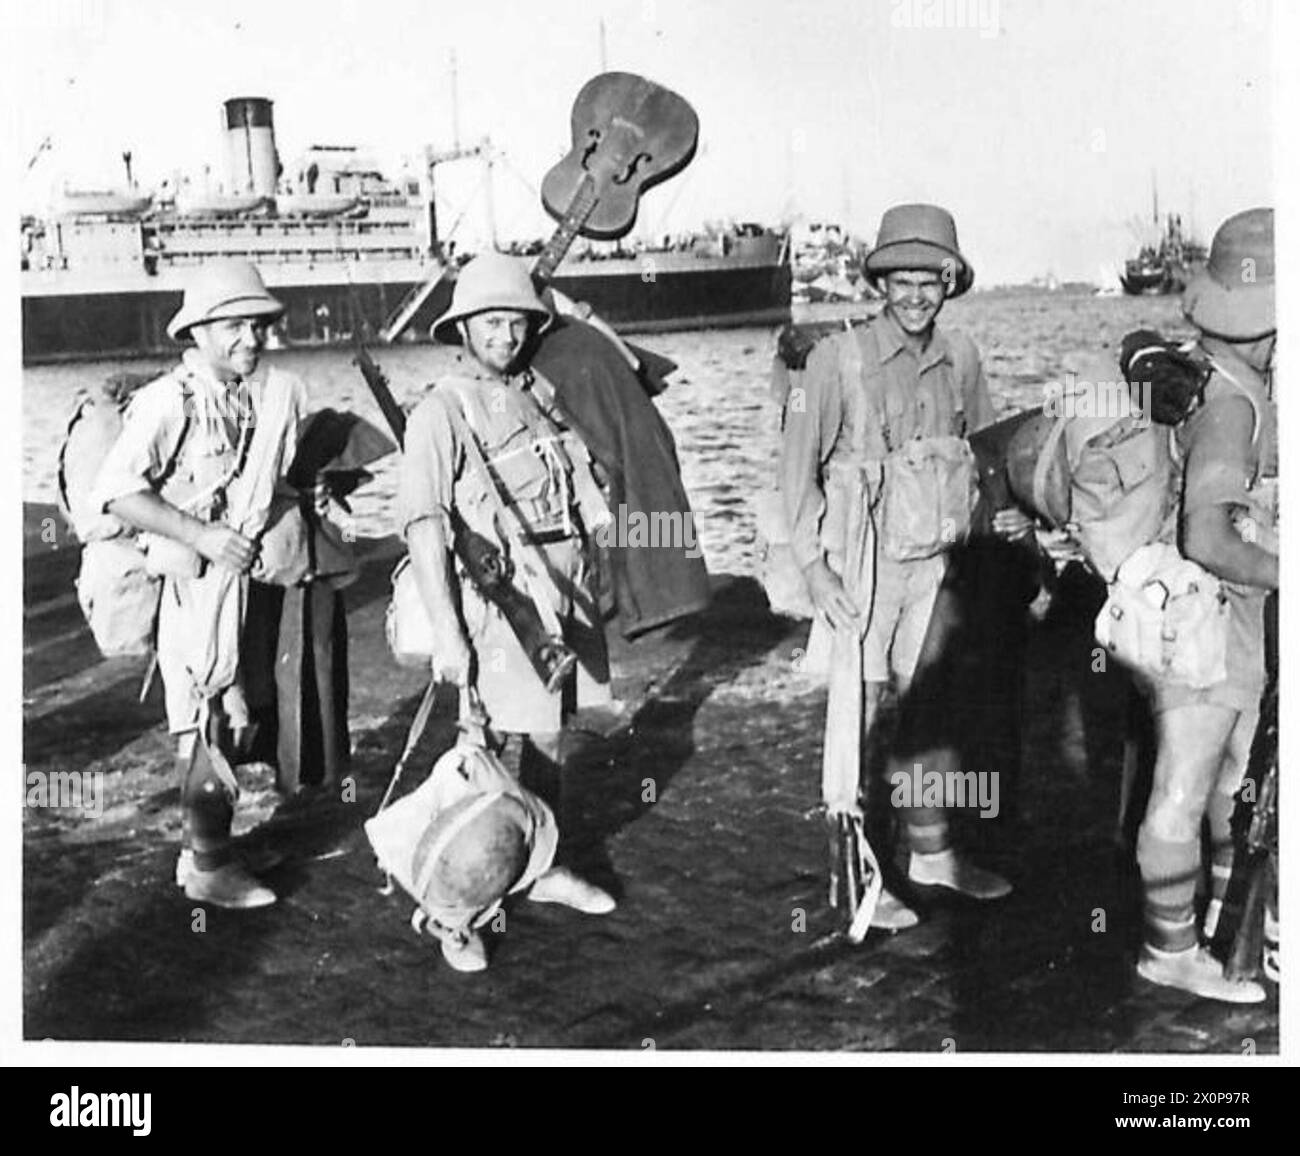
x=717 y=405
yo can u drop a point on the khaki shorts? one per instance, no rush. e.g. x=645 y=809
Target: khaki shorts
x=900 y=616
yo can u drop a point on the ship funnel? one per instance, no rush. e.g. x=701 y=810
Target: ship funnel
x=252 y=162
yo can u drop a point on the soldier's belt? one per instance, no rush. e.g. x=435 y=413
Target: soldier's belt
x=548 y=537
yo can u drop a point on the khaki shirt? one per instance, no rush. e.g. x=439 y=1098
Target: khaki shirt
x=181 y=435
x=535 y=458
x=542 y=469
x=941 y=391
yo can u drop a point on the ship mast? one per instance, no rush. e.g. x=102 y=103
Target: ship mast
x=455 y=104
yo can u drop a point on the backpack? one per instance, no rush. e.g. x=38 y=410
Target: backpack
x=1114 y=479
x=119 y=583
x=1110 y=476
x=91 y=432
x=117 y=593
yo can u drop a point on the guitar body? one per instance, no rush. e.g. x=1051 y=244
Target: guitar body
x=628 y=135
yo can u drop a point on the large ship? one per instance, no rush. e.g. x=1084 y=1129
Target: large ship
x=349 y=251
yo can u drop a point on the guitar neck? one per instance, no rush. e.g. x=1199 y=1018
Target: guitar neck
x=584 y=200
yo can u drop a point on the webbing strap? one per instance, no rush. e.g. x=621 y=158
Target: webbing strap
x=243 y=440
x=1257 y=424
x=413 y=735
x=220 y=764
x=473 y=722
x=533 y=565
x=477 y=806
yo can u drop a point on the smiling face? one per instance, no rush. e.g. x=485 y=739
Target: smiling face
x=232 y=346
x=496 y=337
x=914 y=297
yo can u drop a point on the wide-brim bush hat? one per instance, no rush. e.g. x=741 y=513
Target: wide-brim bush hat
x=490 y=281
x=221 y=290
x=922 y=237
x=1232 y=296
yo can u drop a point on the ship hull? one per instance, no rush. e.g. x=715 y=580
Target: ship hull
x=1146 y=282
x=633 y=297
x=1172 y=279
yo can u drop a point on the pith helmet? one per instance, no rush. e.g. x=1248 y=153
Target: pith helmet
x=223 y=289
x=1232 y=296
x=1042 y=486
x=472 y=853
x=491 y=281
x=919 y=237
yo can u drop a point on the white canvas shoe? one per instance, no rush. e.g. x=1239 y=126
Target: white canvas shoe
x=948 y=869
x=560 y=885
x=1197 y=971
x=227 y=886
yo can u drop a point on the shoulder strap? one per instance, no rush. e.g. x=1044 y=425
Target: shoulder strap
x=965 y=366
x=237 y=462
x=854 y=371
x=187 y=419
x=1244 y=390
x=61 y=475
x=531 y=563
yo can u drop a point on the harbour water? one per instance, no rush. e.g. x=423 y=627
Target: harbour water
x=717 y=404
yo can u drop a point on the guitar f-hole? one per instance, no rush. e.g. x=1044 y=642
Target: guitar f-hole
x=630 y=171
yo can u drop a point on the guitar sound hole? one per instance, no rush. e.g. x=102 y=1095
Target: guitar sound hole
x=630 y=171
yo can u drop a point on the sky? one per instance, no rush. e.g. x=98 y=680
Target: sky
x=1039 y=123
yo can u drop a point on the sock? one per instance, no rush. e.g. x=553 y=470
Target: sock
x=925 y=828
x=1169 y=870
x=207 y=812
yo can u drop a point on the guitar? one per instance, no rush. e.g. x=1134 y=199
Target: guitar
x=629 y=134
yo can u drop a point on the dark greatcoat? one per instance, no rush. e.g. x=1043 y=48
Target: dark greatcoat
x=609 y=406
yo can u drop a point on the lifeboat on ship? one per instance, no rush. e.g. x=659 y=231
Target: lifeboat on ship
x=220 y=204
x=102 y=203
x=317 y=205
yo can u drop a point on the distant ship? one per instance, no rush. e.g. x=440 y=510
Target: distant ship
x=1164 y=266
x=345 y=248
x=827 y=263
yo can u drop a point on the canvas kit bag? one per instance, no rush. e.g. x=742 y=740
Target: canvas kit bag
x=1167 y=618
x=1112 y=479
x=468 y=836
x=928 y=485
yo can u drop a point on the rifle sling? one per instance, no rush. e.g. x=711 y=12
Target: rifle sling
x=530 y=562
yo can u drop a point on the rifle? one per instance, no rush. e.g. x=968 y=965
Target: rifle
x=1259 y=859
x=489 y=569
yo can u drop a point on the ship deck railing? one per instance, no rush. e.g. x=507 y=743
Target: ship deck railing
x=291 y=256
